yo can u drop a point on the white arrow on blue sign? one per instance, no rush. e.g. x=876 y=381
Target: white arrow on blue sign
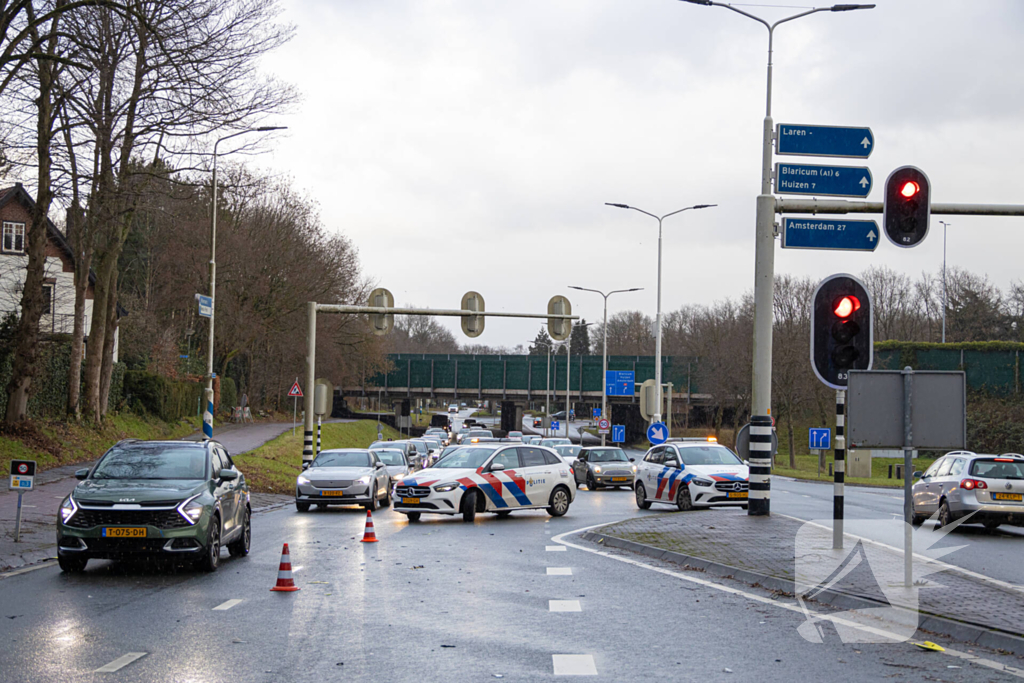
x=618 y=433
x=823 y=181
x=554 y=425
x=657 y=433
x=820 y=438
x=823 y=141
x=829 y=233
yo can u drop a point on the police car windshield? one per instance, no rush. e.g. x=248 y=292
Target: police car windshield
x=343 y=459
x=708 y=455
x=152 y=461
x=391 y=457
x=467 y=457
x=609 y=455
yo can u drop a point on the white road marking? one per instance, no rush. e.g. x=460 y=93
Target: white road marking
x=554 y=548
x=224 y=606
x=26 y=570
x=808 y=613
x=559 y=571
x=120 y=662
x=564 y=606
x=574 y=665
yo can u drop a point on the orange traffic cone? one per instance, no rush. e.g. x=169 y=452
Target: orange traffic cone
x=284 y=573
x=368 y=535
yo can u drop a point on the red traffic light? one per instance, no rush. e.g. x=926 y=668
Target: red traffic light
x=910 y=189
x=845 y=306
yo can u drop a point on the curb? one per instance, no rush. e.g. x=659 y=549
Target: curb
x=958 y=630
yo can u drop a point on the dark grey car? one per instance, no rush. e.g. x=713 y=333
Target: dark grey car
x=603 y=466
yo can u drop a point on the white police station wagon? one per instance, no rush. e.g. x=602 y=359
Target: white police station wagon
x=691 y=473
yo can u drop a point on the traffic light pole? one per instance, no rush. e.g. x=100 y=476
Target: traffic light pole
x=839 y=473
x=841 y=206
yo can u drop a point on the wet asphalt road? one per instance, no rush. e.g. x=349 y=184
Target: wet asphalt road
x=438 y=600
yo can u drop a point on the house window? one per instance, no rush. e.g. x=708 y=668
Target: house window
x=14 y=237
x=48 y=299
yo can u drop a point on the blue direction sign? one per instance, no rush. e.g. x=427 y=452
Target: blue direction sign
x=828 y=233
x=618 y=433
x=823 y=181
x=820 y=438
x=554 y=425
x=205 y=305
x=823 y=141
x=657 y=433
x=597 y=413
x=620 y=383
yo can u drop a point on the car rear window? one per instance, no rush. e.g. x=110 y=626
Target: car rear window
x=152 y=461
x=998 y=468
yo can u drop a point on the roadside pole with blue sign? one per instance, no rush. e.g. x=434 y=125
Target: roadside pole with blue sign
x=554 y=425
x=23 y=474
x=618 y=433
x=657 y=433
x=829 y=233
x=619 y=383
x=820 y=438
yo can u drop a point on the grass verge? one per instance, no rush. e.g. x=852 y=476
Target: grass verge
x=807 y=468
x=272 y=467
x=53 y=444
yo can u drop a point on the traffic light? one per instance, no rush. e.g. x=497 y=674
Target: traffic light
x=559 y=328
x=380 y=323
x=472 y=325
x=908 y=204
x=841 y=329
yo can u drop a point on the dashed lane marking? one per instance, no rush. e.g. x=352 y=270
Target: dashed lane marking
x=574 y=665
x=554 y=548
x=804 y=611
x=120 y=663
x=224 y=606
x=559 y=571
x=564 y=606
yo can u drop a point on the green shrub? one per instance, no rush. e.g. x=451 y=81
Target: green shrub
x=228 y=394
x=160 y=396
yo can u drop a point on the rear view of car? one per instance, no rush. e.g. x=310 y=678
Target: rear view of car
x=980 y=489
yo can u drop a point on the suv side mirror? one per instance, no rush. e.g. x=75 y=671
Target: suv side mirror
x=917 y=475
x=305 y=466
x=632 y=459
x=671 y=462
x=228 y=475
x=379 y=464
x=82 y=474
x=497 y=467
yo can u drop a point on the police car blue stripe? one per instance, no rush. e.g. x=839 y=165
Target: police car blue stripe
x=493 y=495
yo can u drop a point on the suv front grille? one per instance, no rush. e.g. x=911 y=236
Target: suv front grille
x=332 y=483
x=412 y=491
x=731 y=485
x=161 y=519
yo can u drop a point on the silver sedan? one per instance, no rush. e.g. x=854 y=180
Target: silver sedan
x=343 y=476
x=395 y=462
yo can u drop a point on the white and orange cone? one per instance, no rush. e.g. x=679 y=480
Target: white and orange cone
x=368 y=535
x=284 y=573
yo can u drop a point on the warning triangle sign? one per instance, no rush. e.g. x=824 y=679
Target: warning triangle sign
x=295 y=390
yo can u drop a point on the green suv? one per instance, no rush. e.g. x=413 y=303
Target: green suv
x=172 y=499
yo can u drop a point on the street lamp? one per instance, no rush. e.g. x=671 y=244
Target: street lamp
x=547 y=388
x=944 y=301
x=764 y=260
x=657 y=341
x=604 y=353
x=208 y=415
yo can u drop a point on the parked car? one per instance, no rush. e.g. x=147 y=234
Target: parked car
x=171 y=499
x=343 y=476
x=984 y=489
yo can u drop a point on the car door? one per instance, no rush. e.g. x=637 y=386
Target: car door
x=380 y=474
x=673 y=475
x=579 y=467
x=944 y=479
x=651 y=466
x=540 y=475
x=237 y=488
x=222 y=490
x=504 y=487
x=925 y=499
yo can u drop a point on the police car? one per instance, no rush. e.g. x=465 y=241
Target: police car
x=691 y=473
x=488 y=477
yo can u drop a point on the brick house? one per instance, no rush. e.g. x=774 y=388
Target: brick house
x=58 y=284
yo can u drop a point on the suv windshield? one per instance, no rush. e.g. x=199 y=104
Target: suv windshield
x=152 y=461
x=470 y=457
x=607 y=455
x=342 y=459
x=421 y=446
x=708 y=455
x=998 y=468
x=391 y=457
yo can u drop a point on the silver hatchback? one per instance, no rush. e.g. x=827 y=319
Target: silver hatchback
x=989 y=488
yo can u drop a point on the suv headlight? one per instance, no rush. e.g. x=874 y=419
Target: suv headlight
x=365 y=479
x=597 y=468
x=450 y=486
x=702 y=482
x=302 y=480
x=191 y=509
x=634 y=469
x=68 y=509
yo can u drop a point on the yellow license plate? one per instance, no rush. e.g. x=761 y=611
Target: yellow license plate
x=332 y=493
x=620 y=478
x=1007 y=496
x=411 y=501
x=740 y=494
x=124 y=531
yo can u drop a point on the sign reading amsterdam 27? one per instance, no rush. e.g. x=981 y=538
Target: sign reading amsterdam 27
x=823 y=181
x=829 y=233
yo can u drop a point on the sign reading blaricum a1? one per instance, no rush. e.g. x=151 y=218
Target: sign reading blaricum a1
x=823 y=141
x=620 y=383
x=827 y=181
x=829 y=233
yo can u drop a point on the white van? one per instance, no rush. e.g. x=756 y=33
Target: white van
x=453 y=408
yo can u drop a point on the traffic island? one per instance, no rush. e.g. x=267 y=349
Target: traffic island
x=780 y=553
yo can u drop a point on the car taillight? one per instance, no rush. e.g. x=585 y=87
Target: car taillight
x=973 y=484
x=571 y=470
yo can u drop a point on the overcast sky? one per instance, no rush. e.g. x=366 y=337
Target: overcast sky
x=471 y=144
